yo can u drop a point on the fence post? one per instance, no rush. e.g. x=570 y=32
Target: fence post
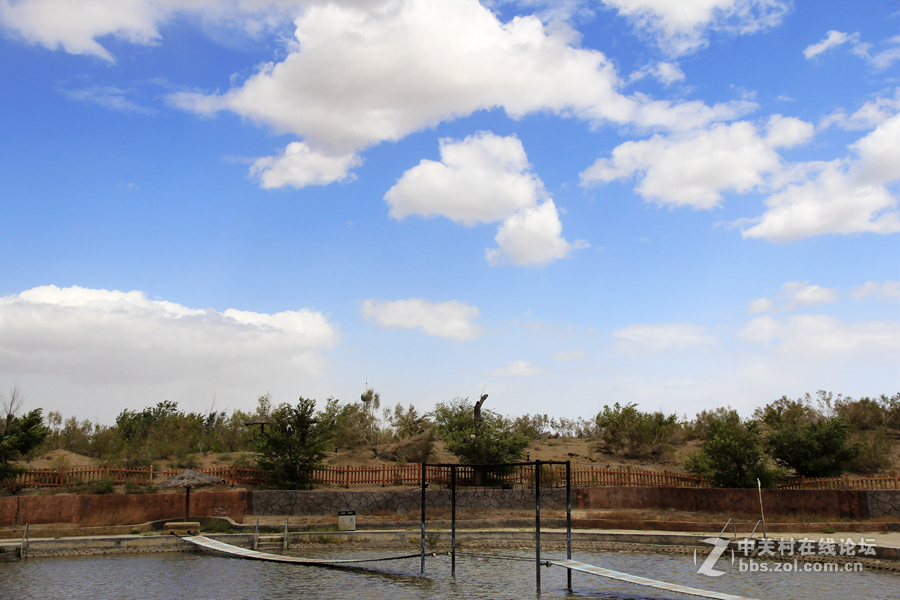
x=382 y=474
x=233 y=473
x=347 y=477
x=896 y=482
x=666 y=476
x=150 y=475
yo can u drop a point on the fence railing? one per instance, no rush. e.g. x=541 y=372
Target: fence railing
x=385 y=475
x=844 y=482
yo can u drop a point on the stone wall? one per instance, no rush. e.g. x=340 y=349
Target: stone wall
x=850 y=504
x=884 y=503
x=296 y=503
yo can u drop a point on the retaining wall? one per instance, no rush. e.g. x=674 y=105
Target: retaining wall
x=850 y=504
x=289 y=502
x=65 y=508
x=833 y=504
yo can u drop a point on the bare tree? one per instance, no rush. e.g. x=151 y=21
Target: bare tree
x=10 y=405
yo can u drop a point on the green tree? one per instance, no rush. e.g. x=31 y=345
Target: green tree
x=294 y=444
x=498 y=442
x=20 y=435
x=819 y=448
x=732 y=455
x=626 y=429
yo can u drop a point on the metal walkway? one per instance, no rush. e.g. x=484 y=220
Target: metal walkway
x=670 y=587
x=211 y=544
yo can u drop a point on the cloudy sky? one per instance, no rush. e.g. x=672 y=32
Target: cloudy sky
x=564 y=203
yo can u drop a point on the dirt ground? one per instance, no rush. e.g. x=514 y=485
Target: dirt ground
x=580 y=452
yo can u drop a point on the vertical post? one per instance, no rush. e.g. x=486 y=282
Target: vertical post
x=537 y=525
x=24 y=549
x=256 y=536
x=284 y=546
x=233 y=473
x=453 y=520
x=347 y=477
x=383 y=474
x=569 y=522
x=150 y=482
x=422 y=567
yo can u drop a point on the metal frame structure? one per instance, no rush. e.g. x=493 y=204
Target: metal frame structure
x=537 y=465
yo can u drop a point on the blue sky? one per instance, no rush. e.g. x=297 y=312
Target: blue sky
x=684 y=204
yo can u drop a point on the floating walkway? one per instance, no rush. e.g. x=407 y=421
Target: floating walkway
x=211 y=544
x=670 y=587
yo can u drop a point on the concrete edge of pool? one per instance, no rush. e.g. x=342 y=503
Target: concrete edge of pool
x=887 y=551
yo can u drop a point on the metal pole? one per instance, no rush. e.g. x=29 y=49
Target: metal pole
x=453 y=520
x=569 y=521
x=537 y=525
x=422 y=568
x=256 y=536
x=284 y=546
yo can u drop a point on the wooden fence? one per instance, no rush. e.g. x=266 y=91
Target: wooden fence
x=844 y=482
x=385 y=475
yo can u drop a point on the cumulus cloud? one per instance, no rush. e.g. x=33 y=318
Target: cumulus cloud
x=652 y=339
x=517 y=368
x=844 y=196
x=886 y=290
x=532 y=236
x=694 y=168
x=412 y=64
x=483 y=179
x=823 y=336
x=300 y=166
x=682 y=27
x=451 y=319
x=92 y=336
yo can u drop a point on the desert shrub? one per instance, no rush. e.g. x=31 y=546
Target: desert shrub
x=136 y=488
x=874 y=448
x=217 y=526
x=626 y=429
x=104 y=486
x=699 y=427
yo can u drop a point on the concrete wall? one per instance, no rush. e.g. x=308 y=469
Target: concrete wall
x=285 y=502
x=833 y=504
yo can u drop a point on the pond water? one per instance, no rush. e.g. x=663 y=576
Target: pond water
x=208 y=576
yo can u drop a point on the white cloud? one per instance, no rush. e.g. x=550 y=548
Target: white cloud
x=693 y=169
x=517 y=368
x=842 y=196
x=76 y=26
x=681 y=27
x=532 y=236
x=652 y=339
x=412 y=64
x=101 y=337
x=887 y=290
x=880 y=61
x=568 y=355
x=300 y=166
x=833 y=39
x=760 y=305
x=803 y=294
x=666 y=73
x=482 y=179
x=451 y=319
x=824 y=336
x=868 y=116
